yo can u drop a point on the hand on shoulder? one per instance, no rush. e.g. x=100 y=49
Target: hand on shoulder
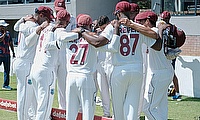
x=125 y=21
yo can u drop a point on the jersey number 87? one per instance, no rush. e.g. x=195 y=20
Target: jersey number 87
x=125 y=48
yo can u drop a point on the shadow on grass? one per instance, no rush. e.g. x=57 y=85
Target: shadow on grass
x=191 y=99
x=13 y=89
x=184 y=98
x=143 y=118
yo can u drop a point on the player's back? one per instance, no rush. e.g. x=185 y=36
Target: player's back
x=24 y=51
x=81 y=57
x=43 y=57
x=129 y=48
x=157 y=59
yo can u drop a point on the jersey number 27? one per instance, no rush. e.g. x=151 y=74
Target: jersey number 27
x=81 y=50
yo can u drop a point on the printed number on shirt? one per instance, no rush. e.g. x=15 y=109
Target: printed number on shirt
x=125 y=47
x=41 y=40
x=80 y=53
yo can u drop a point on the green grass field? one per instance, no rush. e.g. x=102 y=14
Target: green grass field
x=187 y=109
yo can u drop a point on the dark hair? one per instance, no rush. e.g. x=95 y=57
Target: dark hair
x=153 y=23
x=103 y=20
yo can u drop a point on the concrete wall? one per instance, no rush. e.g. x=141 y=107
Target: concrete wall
x=190 y=24
x=188 y=74
x=187 y=65
x=16 y=11
x=95 y=8
x=12 y=12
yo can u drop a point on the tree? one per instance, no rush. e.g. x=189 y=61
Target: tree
x=143 y=4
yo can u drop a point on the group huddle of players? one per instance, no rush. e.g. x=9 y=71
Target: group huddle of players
x=126 y=57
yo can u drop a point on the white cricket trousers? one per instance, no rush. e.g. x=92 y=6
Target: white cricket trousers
x=25 y=98
x=44 y=88
x=61 y=78
x=126 y=82
x=80 y=91
x=155 y=105
x=103 y=88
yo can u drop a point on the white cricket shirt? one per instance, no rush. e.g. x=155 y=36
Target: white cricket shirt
x=24 y=51
x=157 y=59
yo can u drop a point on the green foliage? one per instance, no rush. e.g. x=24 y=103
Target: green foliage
x=144 y=4
x=187 y=109
x=169 y=5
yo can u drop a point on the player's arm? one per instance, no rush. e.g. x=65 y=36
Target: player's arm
x=68 y=36
x=112 y=46
x=23 y=20
x=3 y=34
x=53 y=44
x=11 y=44
x=96 y=41
x=158 y=44
x=63 y=37
x=31 y=39
x=140 y=28
x=17 y=24
x=2 y=37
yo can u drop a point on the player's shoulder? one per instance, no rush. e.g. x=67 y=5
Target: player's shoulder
x=108 y=28
x=155 y=29
x=48 y=28
x=31 y=23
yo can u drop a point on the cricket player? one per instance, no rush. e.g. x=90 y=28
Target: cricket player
x=80 y=87
x=166 y=16
x=61 y=67
x=81 y=66
x=102 y=79
x=155 y=98
x=43 y=69
x=133 y=12
x=27 y=26
x=127 y=76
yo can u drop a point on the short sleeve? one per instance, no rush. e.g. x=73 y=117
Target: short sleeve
x=108 y=32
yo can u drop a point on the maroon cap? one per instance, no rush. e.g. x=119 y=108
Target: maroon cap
x=84 y=20
x=146 y=15
x=165 y=15
x=46 y=11
x=77 y=17
x=63 y=15
x=134 y=7
x=59 y=5
x=123 y=6
x=180 y=39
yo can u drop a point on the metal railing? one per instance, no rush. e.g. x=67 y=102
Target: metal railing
x=6 y=2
